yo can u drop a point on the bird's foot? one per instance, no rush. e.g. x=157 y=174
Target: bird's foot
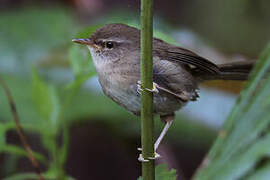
x=140 y=88
x=142 y=159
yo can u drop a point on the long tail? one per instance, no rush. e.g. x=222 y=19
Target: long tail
x=229 y=71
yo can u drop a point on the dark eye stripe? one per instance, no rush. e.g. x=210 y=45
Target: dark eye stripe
x=100 y=43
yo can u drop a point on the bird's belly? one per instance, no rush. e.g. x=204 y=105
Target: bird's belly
x=129 y=98
x=126 y=97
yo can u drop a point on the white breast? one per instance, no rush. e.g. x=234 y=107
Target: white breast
x=125 y=96
x=99 y=61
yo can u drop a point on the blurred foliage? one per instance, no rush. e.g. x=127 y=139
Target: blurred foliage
x=162 y=173
x=35 y=54
x=232 y=26
x=30 y=34
x=32 y=176
x=45 y=99
x=241 y=150
x=46 y=103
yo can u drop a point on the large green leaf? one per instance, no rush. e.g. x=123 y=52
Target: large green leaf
x=244 y=142
x=46 y=99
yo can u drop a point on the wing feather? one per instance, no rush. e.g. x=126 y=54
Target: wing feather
x=183 y=56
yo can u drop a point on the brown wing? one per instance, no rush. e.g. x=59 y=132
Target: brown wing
x=173 y=78
x=183 y=56
x=173 y=71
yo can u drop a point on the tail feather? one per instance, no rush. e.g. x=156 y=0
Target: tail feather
x=229 y=71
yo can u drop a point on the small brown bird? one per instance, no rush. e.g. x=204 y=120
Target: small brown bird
x=115 y=50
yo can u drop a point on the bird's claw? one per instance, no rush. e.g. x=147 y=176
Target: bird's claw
x=140 y=88
x=142 y=159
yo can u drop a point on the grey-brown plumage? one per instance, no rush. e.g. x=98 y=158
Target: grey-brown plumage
x=177 y=71
x=115 y=50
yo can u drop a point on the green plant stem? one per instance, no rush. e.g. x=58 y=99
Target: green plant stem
x=20 y=132
x=147 y=124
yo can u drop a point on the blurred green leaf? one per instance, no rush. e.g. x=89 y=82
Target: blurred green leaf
x=33 y=176
x=82 y=68
x=29 y=34
x=10 y=165
x=2 y=135
x=80 y=61
x=45 y=98
x=79 y=56
x=23 y=176
x=245 y=139
x=86 y=32
x=162 y=172
x=63 y=151
x=261 y=174
x=11 y=149
x=165 y=37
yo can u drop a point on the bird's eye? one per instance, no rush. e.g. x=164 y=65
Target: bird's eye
x=109 y=44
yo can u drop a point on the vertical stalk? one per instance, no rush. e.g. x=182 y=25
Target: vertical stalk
x=20 y=132
x=147 y=123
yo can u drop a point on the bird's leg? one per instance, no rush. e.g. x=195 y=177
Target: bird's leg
x=140 y=88
x=168 y=119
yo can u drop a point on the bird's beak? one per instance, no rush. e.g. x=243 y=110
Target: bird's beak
x=82 y=41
